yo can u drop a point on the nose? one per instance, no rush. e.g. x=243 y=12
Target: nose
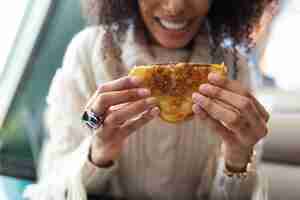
x=174 y=7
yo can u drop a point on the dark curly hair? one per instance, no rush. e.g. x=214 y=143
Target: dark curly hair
x=231 y=18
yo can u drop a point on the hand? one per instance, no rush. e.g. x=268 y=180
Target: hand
x=235 y=114
x=127 y=107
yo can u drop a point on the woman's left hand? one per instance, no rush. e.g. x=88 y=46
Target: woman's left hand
x=234 y=113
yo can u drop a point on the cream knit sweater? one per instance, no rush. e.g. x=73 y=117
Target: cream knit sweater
x=160 y=161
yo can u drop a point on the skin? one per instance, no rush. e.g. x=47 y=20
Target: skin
x=225 y=105
x=193 y=11
x=234 y=114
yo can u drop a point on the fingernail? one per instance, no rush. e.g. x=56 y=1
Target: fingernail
x=204 y=88
x=136 y=80
x=199 y=98
x=144 y=92
x=196 y=109
x=199 y=112
x=214 y=77
x=151 y=101
x=155 y=112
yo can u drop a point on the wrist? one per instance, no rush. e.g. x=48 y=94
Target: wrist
x=236 y=160
x=97 y=157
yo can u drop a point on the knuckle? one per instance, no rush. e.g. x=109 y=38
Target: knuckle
x=216 y=91
x=265 y=131
x=101 y=88
x=246 y=104
x=246 y=93
x=236 y=119
x=108 y=121
x=132 y=94
x=244 y=126
x=127 y=81
x=113 y=120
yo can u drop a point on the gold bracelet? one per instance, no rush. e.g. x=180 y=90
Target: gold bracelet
x=243 y=174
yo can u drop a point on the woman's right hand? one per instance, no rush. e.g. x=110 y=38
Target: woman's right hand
x=127 y=107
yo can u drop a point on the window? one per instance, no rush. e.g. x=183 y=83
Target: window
x=282 y=52
x=21 y=23
x=10 y=22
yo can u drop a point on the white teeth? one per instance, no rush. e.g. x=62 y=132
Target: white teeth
x=173 y=25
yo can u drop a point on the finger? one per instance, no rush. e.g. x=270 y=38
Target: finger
x=123 y=83
x=235 y=121
x=260 y=108
x=118 y=107
x=244 y=105
x=116 y=85
x=225 y=105
x=202 y=114
x=257 y=126
x=108 y=99
x=224 y=95
x=91 y=100
x=231 y=85
x=135 y=124
x=245 y=122
x=235 y=86
x=117 y=118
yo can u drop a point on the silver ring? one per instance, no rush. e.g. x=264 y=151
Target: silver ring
x=93 y=120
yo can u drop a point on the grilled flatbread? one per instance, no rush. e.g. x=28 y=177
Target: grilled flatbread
x=174 y=84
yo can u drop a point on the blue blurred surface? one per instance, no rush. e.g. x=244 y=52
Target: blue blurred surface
x=12 y=188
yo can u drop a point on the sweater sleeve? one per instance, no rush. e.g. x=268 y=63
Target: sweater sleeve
x=216 y=185
x=65 y=171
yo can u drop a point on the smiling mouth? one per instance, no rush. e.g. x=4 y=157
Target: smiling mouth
x=171 y=25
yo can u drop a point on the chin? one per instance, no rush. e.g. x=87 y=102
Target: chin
x=174 y=45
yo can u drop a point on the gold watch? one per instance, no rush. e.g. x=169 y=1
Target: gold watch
x=241 y=174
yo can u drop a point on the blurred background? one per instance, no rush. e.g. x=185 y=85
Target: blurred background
x=34 y=35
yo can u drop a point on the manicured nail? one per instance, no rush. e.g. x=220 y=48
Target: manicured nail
x=204 y=88
x=155 y=112
x=196 y=109
x=199 y=98
x=144 y=92
x=151 y=101
x=199 y=112
x=214 y=77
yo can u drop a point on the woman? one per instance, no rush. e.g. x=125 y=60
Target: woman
x=134 y=154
